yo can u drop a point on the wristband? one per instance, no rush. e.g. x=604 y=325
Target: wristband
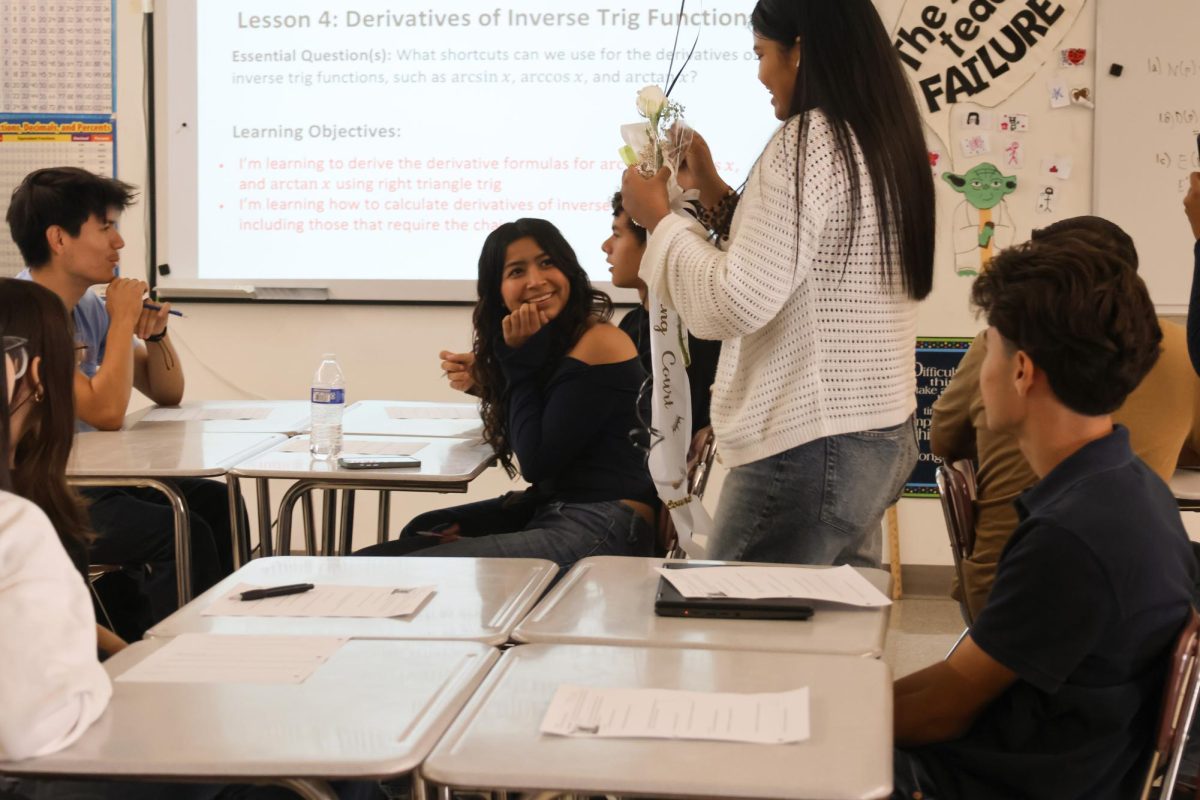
x=158 y=337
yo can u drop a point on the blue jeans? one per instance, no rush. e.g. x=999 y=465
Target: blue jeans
x=819 y=503
x=556 y=531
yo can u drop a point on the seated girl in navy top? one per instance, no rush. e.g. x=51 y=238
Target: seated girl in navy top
x=559 y=387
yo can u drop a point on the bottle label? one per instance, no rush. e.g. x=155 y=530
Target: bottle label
x=328 y=396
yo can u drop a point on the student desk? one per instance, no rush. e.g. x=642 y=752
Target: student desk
x=477 y=599
x=352 y=719
x=447 y=465
x=1185 y=485
x=610 y=600
x=289 y=417
x=371 y=417
x=495 y=742
x=150 y=458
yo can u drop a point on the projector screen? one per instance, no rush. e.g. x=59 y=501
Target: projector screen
x=364 y=151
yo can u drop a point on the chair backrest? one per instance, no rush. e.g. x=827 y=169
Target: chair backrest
x=701 y=466
x=698 y=470
x=1178 y=708
x=955 y=489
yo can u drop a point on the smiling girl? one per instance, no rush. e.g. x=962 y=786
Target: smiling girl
x=559 y=385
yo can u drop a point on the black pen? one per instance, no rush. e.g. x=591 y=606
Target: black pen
x=276 y=591
x=151 y=306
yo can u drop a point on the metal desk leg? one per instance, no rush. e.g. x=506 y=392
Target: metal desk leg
x=308 y=788
x=310 y=525
x=347 y=523
x=328 y=521
x=179 y=510
x=286 y=506
x=265 y=547
x=385 y=516
x=241 y=538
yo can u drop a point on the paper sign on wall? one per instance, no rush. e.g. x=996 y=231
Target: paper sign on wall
x=979 y=52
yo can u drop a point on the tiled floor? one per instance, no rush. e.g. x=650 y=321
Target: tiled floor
x=921 y=631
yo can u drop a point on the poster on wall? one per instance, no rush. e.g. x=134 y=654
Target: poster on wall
x=33 y=142
x=979 y=52
x=937 y=361
x=56 y=56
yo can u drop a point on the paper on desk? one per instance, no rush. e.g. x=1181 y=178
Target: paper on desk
x=194 y=414
x=325 y=600
x=838 y=585
x=360 y=447
x=210 y=658
x=768 y=718
x=433 y=412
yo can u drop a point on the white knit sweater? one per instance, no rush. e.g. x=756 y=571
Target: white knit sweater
x=816 y=342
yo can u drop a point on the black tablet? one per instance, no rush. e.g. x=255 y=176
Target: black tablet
x=670 y=603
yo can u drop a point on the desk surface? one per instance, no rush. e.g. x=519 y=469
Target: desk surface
x=443 y=461
x=495 y=742
x=288 y=417
x=170 y=452
x=477 y=599
x=374 y=709
x=372 y=417
x=610 y=600
x=1185 y=484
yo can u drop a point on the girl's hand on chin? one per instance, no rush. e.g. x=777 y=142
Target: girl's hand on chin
x=523 y=323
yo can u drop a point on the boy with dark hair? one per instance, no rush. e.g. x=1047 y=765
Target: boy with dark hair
x=1055 y=692
x=64 y=222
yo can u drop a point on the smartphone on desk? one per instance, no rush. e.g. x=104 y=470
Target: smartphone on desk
x=378 y=462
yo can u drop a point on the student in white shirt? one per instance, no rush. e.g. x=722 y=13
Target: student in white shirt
x=52 y=686
x=812 y=288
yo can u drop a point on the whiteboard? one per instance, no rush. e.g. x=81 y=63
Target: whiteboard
x=1147 y=121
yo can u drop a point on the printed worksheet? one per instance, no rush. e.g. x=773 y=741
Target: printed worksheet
x=837 y=585
x=766 y=718
x=212 y=658
x=325 y=600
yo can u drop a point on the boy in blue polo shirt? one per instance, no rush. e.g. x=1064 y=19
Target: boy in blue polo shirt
x=64 y=222
x=1055 y=692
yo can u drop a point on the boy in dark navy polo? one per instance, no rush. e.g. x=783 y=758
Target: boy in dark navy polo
x=1055 y=692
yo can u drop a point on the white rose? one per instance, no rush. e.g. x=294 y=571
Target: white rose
x=650 y=101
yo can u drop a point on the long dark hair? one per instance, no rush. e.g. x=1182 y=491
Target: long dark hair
x=584 y=307
x=5 y=474
x=39 y=316
x=850 y=71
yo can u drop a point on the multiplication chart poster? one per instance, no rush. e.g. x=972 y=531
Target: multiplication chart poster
x=56 y=57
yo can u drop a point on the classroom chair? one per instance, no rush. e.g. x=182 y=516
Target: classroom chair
x=956 y=488
x=1178 y=708
x=95 y=573
x=699 y=468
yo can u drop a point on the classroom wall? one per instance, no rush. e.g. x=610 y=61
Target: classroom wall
x=270 y=351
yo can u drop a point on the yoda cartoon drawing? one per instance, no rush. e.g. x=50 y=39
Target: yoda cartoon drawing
x=982 y=223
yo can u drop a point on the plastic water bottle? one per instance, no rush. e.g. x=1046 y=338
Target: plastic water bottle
x=327 y=402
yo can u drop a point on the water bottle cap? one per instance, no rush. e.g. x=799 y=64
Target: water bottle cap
x=329 y=356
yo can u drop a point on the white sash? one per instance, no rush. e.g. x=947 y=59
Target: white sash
x=672 y=419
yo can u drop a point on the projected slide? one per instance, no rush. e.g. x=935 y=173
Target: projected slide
x=376 y=141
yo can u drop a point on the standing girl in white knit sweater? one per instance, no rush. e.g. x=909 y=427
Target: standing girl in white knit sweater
x=812 y=286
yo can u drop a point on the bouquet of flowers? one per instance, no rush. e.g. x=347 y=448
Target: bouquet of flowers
x=647 y=144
